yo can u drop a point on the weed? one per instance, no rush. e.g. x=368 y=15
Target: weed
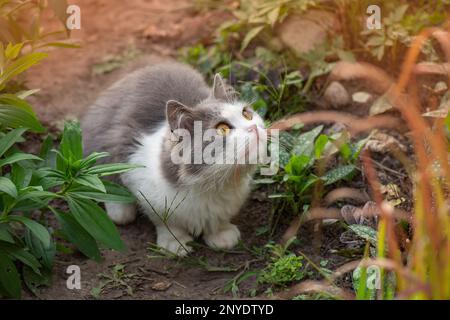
x=113 y=62
x=117 y=279
x=283 y=270
x=255 y=17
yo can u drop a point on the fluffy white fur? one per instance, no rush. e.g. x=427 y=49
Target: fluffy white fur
x=194 y=209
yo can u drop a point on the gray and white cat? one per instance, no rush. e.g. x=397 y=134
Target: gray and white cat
x=135 y=121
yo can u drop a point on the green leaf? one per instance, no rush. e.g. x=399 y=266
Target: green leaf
x=77 y=235
x=9 y=139
x=320 y=144
x=9 y=277
x=114 y=193
x=284 y=156
x=110 y=169
x=26 y=93
x=5 y=234
x=346 y=55
x=13 y=50
x=273 y=15
x=297 y=164
x=45 y=254
x=95 y=221
x=308 y=183
x=90 y=181
x=16 y=112
x=8 y=187
x=264 y=181
x=91 y=159
x=338 y=173
x=250 y=36
x=46 y=152
x=21 y=65
x=71 y=147
x=37 y=229
x=16 y=157
x=36 y=195
x=21 y=176
x=358 y=147
x=22 y=255
x=60 y=45
x=304 y=143
x=365 y=232
x=34 y=281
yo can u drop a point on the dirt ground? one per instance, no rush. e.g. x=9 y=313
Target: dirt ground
x=155 y=29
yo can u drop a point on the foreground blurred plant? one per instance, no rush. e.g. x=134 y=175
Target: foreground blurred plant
x=411 y=249
x=420 y=258
x=32 y=186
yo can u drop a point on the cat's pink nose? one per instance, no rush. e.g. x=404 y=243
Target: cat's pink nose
x=253 y=127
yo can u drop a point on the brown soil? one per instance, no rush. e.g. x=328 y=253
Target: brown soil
x=156 y=28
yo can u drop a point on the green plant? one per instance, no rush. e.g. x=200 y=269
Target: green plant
x=31 y=187
x=257 y=16
x=303 y=158
x=61 y=182
x=399 y=29
x=118 y=278
x=284 y=268
x=22 y=34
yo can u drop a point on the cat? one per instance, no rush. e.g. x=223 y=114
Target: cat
x=137 y=119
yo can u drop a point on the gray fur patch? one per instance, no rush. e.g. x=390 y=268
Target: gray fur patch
x=136 y=105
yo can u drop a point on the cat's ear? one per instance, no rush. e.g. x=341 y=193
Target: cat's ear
x=219 y=89
x=178 y=115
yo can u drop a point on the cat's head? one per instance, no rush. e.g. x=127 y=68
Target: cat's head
x=220 y=137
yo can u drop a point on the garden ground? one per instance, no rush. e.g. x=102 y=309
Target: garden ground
x=116 y=38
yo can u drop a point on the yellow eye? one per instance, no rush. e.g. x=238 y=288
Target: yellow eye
x=247 y=114
x=222 y=129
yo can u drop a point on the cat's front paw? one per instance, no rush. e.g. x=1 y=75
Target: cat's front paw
x=121 y=213
x=225 y=238
x=177 y=246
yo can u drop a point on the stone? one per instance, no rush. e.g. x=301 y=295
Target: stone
x=302 y=33
x=361 y=97
x=161 y=286
x=336 y=95
x=440 y=87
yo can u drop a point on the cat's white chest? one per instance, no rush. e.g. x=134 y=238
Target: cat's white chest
x=192 y=208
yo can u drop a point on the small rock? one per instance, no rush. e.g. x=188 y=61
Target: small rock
x=302 y=33
x=155 y=32
x=336 y=95
x=361 y=97
x=440 y=87
x=162 y=286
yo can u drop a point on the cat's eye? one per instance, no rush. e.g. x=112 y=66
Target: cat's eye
x=247 y=114
x=223 y=129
